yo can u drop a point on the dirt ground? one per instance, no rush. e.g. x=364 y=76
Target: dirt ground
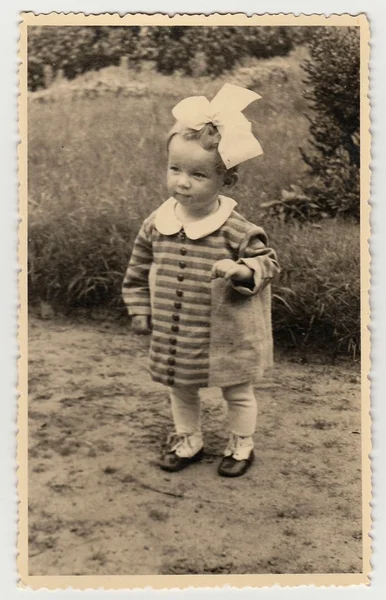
x=99 y=504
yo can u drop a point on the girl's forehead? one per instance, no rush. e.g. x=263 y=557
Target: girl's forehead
x=190 y=152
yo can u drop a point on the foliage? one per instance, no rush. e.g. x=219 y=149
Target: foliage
x=293 y=205
x=220 y=48
x=333 y=94
x=80 y=261
x=75 y=50
x=316 y=301
x=303 y=34
x=190 y=50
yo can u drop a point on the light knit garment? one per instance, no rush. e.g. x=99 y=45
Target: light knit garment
x=204 y=332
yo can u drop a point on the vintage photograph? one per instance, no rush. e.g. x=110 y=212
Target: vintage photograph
x=194 y=300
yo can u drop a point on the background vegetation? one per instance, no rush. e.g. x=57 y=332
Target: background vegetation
x=97 y=155
x=190 y=50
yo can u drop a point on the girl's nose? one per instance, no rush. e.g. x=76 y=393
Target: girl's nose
x=183 y=180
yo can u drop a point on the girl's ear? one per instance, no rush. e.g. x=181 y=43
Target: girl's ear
x=230 y=179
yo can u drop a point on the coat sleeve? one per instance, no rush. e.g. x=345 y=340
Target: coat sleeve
x=255 y=254
x=136 y=287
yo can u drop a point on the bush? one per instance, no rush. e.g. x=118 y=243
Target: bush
x=221 y=48
x=333 y=94
x=75 y=50
x=175 y=48
x=303 y=34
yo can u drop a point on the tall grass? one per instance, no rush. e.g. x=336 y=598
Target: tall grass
x=316 y=301
x=96 y=168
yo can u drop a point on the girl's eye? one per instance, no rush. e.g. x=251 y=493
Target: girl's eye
x=199 y=175
x=173 y=168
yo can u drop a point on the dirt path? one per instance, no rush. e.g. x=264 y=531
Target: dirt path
x=100 y=505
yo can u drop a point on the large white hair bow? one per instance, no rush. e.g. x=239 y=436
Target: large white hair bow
x=224 y=111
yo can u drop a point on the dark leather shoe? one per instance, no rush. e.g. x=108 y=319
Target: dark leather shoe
x=230 y=467
x=172 y=462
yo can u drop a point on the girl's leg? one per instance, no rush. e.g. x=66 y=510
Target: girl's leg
x=242 y=415
x=186 y=445
x=242 y=409
x=185 y=404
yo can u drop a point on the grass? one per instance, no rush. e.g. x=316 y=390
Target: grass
x=96 y=168
x=316 y=301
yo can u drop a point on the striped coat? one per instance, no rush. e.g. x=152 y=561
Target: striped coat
x=204 y=332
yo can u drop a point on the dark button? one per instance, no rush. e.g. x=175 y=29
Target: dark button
x=175 y=328
x=180 y=277
x=171 y=371
x=176 y=317
x=183 y=251
x=171 y=361
x=182 y=264
x=170 y=381
x=172 y=350
x=179 y=293
x=177 y=305
x=173 y=341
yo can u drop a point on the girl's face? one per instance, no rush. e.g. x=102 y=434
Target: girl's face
x=192 y=178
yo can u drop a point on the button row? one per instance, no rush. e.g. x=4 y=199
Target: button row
x=175 y=316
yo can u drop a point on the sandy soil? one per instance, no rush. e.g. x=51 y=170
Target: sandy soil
x=99 y=504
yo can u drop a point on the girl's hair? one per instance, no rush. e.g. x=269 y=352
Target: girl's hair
x=209 y=138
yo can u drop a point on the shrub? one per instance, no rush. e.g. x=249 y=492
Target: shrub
x=175 y=48
x=303 y=34
x=333 y=94
x=221 y=47
x=76 y=50
x=264 y=42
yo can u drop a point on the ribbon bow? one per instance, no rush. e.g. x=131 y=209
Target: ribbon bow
x=224 y=111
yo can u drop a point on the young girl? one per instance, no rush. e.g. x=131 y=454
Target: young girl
x=198 y=279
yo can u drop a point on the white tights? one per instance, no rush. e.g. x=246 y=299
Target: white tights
x=242 y=409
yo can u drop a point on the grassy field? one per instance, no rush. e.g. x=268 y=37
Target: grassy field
x=97 y=168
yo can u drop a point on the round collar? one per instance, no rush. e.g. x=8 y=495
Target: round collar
x=167 y=223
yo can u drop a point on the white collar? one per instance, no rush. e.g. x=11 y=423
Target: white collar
x=167 y=223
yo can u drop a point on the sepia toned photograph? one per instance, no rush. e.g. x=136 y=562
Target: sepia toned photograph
x=194 y=399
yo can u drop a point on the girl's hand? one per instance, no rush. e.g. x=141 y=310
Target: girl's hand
x=140 y=324
x=229 y=269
